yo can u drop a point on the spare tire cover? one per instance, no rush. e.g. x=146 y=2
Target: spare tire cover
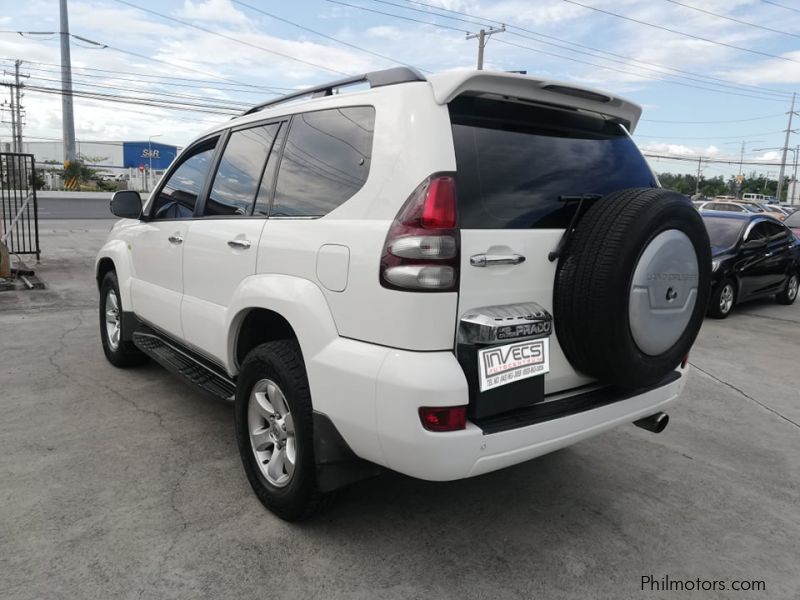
x=632 y=286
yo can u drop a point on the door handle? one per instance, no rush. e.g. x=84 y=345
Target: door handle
x=175 y=238
x=239 y=244
x=490 y=260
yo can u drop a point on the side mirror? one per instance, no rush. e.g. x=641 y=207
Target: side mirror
x=126 y=204
x=754 y=245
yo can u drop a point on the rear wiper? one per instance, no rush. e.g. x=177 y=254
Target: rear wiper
x=555 y=254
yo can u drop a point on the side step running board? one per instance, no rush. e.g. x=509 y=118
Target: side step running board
x=185 y=363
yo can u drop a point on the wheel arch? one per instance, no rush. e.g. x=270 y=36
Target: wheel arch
x=272 y=307
x=115 y=256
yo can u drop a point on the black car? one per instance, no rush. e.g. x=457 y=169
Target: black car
x=753 y=256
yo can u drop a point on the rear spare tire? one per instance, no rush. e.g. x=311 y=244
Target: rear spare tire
x=632 y=286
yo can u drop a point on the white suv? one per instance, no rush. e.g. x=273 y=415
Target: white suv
x=441 y=276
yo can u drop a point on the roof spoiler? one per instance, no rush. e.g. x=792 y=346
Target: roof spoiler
x=448 y=85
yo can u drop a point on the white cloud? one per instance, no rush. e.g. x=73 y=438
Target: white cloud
x=216 y=11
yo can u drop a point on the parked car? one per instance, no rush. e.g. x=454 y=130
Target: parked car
x=374 y=278
x=753 y=256
x=742 y=207
x=793 y=223
x=731 y=206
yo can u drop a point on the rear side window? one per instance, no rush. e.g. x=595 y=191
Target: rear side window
x=325 y=161
x=516 y=161
x=240 y=170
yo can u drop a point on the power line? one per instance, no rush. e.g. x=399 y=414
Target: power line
x=712 y=122
x=585 y=62
x=761 y=96
x=161 y=78
x=185 y=106
x=731 y=161
x=735 y=20
x=326 y=36
x=158 y=60
x=209 y=84
x=232 y=39
x=626 y=59
x=678 y=32
x=232 y=103
x=781 y=5
x=372 y=10
x=707 y=137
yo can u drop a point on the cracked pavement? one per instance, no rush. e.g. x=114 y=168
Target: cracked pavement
x=127 y=483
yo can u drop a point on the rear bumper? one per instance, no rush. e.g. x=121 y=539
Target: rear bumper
x=408 y=380
x=372 y=394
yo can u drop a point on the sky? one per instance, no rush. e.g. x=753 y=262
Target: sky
x=701 y=97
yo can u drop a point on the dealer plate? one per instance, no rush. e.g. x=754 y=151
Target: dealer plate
x=501 y=365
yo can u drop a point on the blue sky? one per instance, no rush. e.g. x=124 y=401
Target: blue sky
x=659 y=69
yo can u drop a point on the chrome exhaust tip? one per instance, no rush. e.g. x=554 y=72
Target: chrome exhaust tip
x=655 y=423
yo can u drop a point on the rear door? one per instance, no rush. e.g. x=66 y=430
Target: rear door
x=519 y=169
x=222 y=244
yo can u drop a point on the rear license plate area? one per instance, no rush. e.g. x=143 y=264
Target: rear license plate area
x=504 y=377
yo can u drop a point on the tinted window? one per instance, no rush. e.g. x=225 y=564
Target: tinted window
x=325 y=161
x=776 y=233
x=268 y=180
x=177 y=198
x=723 y=233
x=240 y=170
x=515 y=162
x=759 y=232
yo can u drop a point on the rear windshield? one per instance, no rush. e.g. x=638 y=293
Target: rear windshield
x=516 y=161
x=724 y=233
x=793 y=220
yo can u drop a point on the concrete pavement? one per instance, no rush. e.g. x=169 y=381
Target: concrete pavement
x=127 y=483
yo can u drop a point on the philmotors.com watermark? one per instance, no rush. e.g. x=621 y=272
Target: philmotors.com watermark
x=651 y=583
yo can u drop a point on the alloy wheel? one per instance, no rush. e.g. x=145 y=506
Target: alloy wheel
x=113 y=327
x=726 y=299
x=272 y=433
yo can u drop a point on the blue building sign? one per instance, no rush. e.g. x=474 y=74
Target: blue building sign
x=137 y=154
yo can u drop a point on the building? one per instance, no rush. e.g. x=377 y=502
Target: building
x=141 y=162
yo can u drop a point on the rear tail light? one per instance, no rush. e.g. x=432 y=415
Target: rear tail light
x=443 y=418
x=421 y=252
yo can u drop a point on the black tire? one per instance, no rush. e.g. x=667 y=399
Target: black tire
x=123 y=353
x=281 y=362
x=787 y=296
x=594 y=278
x=716 y=308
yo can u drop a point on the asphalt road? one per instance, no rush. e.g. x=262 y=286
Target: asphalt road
x=74 y=207
x=127 y=483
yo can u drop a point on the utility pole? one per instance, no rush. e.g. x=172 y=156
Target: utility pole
x=785 y=148
x=18 y=106
x=697 y=181
x=483 y=38
x=67 y=116
x=13 y=111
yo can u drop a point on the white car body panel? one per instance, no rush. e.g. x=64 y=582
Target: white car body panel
x=157 y=283
x=529 y=281
x=211 y=275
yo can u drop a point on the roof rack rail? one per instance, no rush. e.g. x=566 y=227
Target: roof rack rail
x=375 y=79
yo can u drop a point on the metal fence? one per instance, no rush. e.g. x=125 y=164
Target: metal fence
x=19 y=217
